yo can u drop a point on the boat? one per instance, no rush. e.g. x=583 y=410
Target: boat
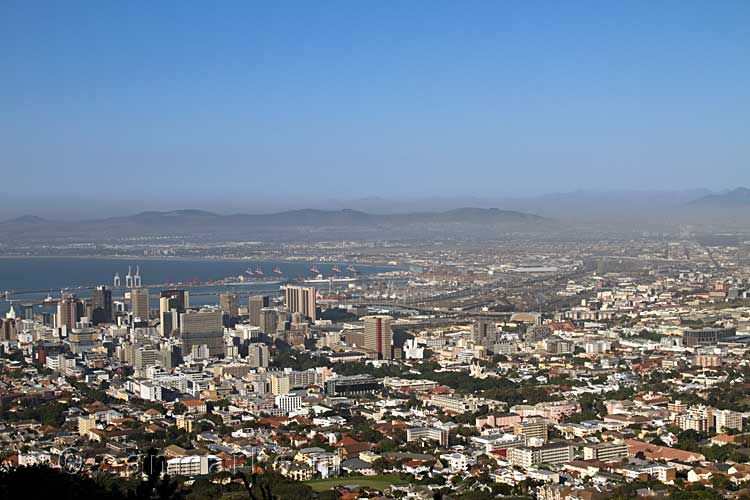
x=314 y=270
x=336 y=269
x=258 y=271
x=277 y=270
x=255 y=282
x=351 y=269
x=331 y=279
x=249 y=272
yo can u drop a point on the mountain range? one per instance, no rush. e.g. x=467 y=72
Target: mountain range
x=192 y=223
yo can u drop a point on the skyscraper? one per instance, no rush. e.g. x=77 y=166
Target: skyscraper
x=301 y=299
x=172 y=303
x=269 y=320
x=379 y=336
x=139 y=306
x=256 y=303
x=101 y=302
x=483 y=333
x=257 y=355
x=202 y=328
x=179 y=299
x=228 y=304
x=69 y=311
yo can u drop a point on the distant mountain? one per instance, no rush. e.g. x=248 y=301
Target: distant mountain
x=734 y=198
x=293 y=224
x=26 y=219
x=323 y=218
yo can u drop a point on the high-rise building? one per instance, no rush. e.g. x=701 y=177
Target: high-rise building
x=255 y=304
x=228 y=304
x=69 y=311
x=172 y=303
x=101 y=302
x=202 y=328
x=279 y=384
x=139 y=306
x=269 y=320
x=725 y=420
x=257 y=355
x=379 y=336
x=82 y=338
x=301 y=299
x=8 y=329
x=483 y=333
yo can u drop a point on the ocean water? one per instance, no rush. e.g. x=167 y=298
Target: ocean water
x=39 y=277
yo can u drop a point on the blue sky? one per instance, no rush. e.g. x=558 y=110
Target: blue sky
x=222 y=105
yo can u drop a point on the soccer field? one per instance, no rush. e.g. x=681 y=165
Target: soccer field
x=377 y=482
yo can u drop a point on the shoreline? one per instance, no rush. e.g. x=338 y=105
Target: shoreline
x=197 y=259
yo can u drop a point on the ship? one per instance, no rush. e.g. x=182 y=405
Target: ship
x=336 y=269
x=277 y=270
x=320 y=279
x=351 y=269
x=258 y=271
x=249 y=272
x=314 y=270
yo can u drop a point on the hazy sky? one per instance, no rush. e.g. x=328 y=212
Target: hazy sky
x=221 y=104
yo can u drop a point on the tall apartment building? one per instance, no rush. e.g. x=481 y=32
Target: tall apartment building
x=279 y=384
x=139 y=306
x=379 y=336
x=202 y=328
x=698 y=418
x=288 y=402
x=255 y=305
x=86 y=423
x=727 y=419
x=536 y=428
x=605 y=452
x=550 y=453
x=301 y=299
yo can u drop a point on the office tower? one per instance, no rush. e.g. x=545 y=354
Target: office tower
x=139 y=306
x=101 y=302
x=146 y=356
x=202 y=328
x=169 y=316
x=179 y=299
x=28 y=311
x=301 y=299
x=256 y=303
x=483 y=333
x=268 y=320
x=228 y=304
x=379 y=336
x=172 y=303
x=257 y=355
x=82 y=338
x=69 y=311
x=8 y=329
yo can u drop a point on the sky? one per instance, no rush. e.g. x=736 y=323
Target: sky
x=116 y=107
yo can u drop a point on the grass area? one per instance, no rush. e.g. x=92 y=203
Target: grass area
x=377 y=482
